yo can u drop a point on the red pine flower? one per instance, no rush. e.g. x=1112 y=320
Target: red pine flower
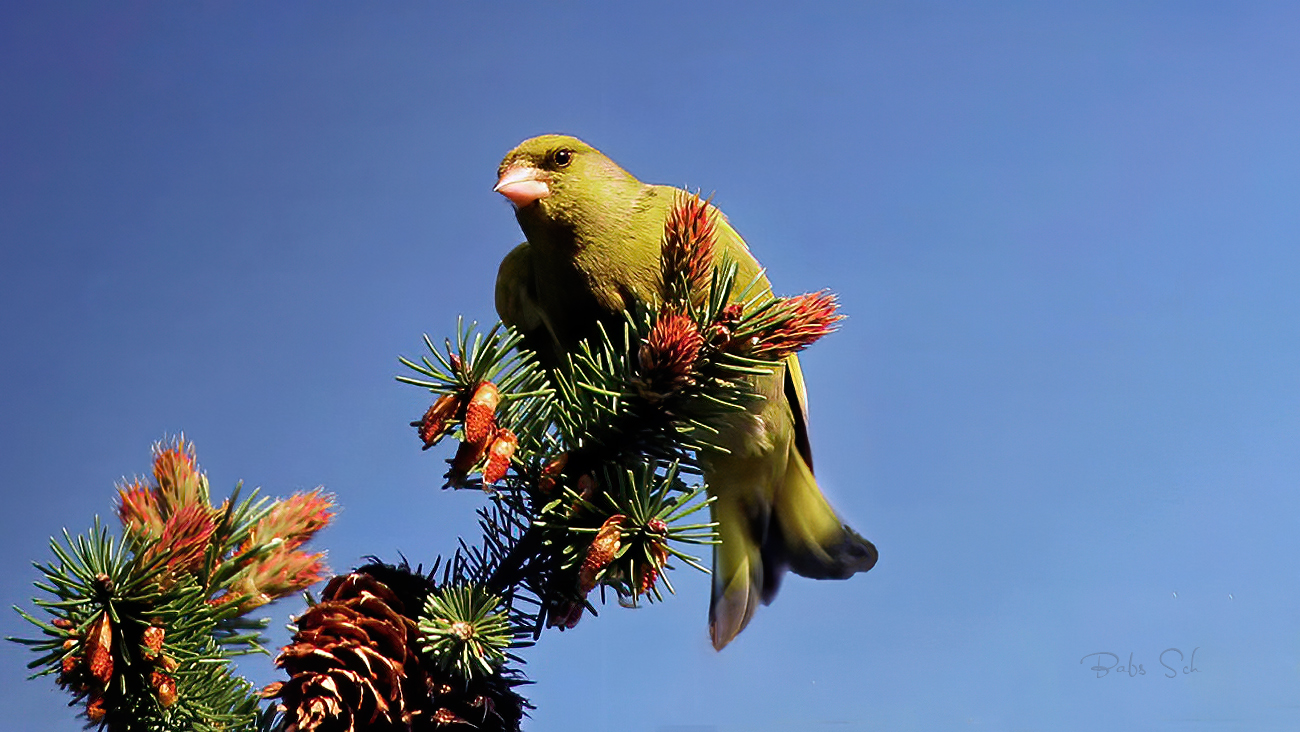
x=550 y=476
x=139 y=511
x=99 y=650
x=467 y=456
x=177 y=473
x=687 y=250
x=184 y=541
x=436 y=422
x=284 y=572
x=648 y=575
x=151 y=642
x=667 y=358
x=95 y=709
x=601 y=552
x=657 y=551
x=798 y=323
x=500 y=451
x=723 y=329
x=164 y=686
x=480 y=415
x=295 y=519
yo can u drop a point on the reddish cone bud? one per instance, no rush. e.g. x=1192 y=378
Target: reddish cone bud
x=667 y=358
x=480 y=415
x=657 y=554
x=551 y=473
x=686 y=264
x=467 y=456
x=95 y=709
x=177 y=472
x=139 y=510
x=184 y=542
x=99 y=649
x=436 y=422
x=164 y=686
x=648 y=577
x=151 y=642
x=294 y=519
x=801 y=321
x=601 y=552
x=282 y=572
x=499 y=454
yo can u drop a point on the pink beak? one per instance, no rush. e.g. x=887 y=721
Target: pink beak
x=523 y=184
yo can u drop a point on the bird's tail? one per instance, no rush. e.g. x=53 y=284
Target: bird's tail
x=806 y=535
x=798 y=530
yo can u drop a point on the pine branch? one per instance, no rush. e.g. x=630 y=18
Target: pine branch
x=591 y=472
x=586 y=465
x=142 y=628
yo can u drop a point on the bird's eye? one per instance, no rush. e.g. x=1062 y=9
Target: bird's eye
x=562 y=158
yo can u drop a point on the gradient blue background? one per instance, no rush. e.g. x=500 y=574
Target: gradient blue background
x=1065 y=404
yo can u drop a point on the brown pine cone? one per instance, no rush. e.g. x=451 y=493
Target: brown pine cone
x=347 y=662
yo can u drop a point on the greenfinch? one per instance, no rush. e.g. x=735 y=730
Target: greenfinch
x=593 y=250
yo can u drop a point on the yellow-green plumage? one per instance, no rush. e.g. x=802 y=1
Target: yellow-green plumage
x=593 y=247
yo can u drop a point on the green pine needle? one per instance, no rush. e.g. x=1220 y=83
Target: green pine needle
x=465 y=631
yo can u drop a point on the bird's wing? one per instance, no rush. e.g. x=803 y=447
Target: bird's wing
x=748 y=268
x=517 y=306
x=797 y=395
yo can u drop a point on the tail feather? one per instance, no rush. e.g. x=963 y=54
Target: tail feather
x=795 y=529
x=733 y=605
x=806 y=535
x=738 y=570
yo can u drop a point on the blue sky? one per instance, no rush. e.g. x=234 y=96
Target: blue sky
x=1065 y=404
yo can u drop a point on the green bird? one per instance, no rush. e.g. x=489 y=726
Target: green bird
x=593 y=249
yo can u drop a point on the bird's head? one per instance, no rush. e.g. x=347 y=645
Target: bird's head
x=557 y=179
